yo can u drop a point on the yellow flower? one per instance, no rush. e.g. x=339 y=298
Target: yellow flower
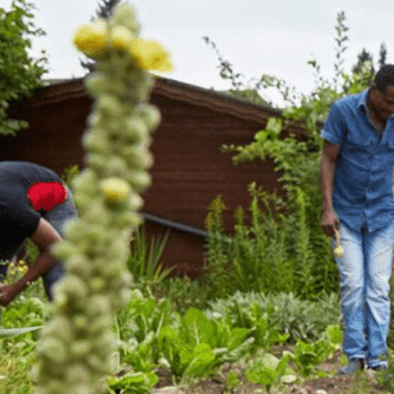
x=338 y=251
x=115 y=190
x=150 y=55
x=90 y=38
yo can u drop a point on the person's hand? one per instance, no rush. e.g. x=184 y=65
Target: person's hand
x=330 y=222
x=7 y=294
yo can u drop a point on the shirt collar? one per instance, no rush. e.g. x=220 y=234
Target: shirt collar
x=363 y=101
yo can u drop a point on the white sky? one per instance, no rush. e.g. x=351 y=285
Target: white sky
x=257 y=36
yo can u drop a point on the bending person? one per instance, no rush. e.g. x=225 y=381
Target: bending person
x=34 y=203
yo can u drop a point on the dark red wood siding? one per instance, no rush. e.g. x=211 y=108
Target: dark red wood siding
x=190 y=169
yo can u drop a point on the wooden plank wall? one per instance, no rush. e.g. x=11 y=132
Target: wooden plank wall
x=189 y=170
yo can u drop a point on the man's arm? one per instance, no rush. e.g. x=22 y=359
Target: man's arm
x=329 y=156
x=44 y=237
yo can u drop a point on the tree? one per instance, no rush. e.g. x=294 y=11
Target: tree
x=382 y=54
x=104 y=11
x=363 y=57
x=20 y=74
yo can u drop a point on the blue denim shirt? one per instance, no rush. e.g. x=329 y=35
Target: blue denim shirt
x=363 y=184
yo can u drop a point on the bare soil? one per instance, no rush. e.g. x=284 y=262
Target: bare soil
x=363 y=383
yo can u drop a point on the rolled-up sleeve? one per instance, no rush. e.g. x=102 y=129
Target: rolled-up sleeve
x=334 y=127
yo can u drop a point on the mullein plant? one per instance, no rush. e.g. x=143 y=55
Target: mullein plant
x=76 y=346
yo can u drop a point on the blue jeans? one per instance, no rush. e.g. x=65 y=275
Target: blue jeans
x=365 y=270
x=57 y=217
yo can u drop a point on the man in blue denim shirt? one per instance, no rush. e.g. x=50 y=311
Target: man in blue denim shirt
x=356 y=182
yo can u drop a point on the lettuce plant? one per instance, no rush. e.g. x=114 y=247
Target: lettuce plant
x=76 y=347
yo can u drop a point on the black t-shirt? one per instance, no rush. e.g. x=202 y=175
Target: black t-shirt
x=18 y=219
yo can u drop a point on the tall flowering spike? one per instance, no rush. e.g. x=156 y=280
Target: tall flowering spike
x=76 y=347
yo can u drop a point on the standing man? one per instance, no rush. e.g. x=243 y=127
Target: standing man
x=34 y=203
x=356 y=173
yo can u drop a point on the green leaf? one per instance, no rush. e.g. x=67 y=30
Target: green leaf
x=196 y=328
x=237 y=337
x=269 y=361
x=138 y=382
x=202 y=360
x=263 y=376
x=13 y=332
x=288 y=379
x=335 y=334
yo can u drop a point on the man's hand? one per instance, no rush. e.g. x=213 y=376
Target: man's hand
x=330 y=222
x=44 y=237
x=7 y=294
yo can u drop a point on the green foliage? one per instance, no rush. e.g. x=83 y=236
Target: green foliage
x=20 y=74
x=183 y=292
x=152 y=334
x=267 y=370
x=144 y=261
x=232 y=380
x=132 y=383
x=218 y=247
x=14 y=332
x=308 y=355
x=194 y=344
x=69 y=174
x=385 y=378
x=287 y=314
x=276 y=252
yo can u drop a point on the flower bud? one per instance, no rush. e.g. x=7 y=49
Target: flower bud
x=110 y=105
x=77 y=373
x=138 y=157
x=98 y=305
x=124 y=15
x=96 y=142
x=150 y=114
x=53 y=349
x=115 y=190
x=135 y=130
x=81 y=348
x=80 y=322
x=97 y=83
x=116 y=167
x=139 y=180
x=121 y=38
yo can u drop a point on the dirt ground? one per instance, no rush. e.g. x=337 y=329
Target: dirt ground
x=363 y=383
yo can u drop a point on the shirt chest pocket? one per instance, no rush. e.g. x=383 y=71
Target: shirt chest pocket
x=358 y=148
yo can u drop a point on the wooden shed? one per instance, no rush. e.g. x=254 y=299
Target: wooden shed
x=189 y=170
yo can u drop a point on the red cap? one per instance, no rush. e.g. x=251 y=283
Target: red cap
x=46 y=195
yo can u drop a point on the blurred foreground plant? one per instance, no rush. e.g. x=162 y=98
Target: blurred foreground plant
x=76 y=347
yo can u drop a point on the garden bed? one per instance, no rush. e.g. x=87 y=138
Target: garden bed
x=364 y=382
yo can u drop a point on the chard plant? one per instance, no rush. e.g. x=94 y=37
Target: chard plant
x=77 y=346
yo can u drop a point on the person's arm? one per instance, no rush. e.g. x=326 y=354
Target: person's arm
x=44 y=237
x=329 y=156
